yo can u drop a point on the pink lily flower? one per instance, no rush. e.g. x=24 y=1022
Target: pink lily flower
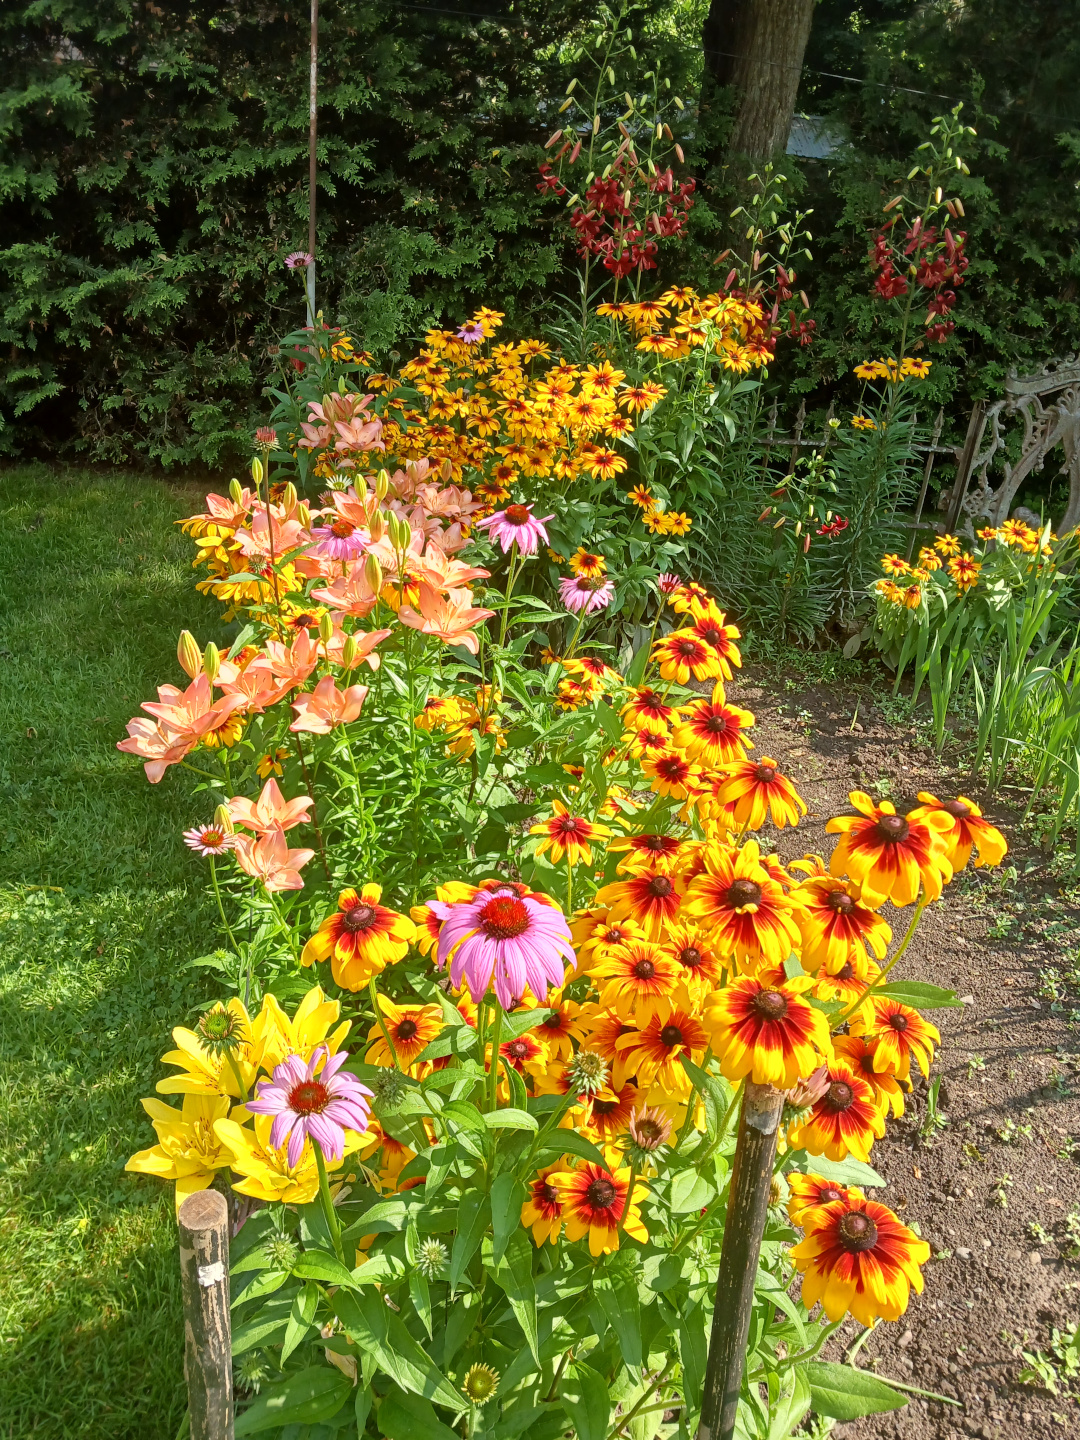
x=366 y=640
x=268 y=858
x=271 y=811
x=154 y=747
x=449 y=618
x=440 y=572
x=293 y=665
x=351 y=594
x=192 y=713
x=319 y=710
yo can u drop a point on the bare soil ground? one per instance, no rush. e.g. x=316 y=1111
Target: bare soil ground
x=995 y=1190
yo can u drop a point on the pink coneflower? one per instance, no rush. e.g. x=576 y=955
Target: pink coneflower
x=471 y=333
x=508 y=932
x=517 y=524
x=209 y=840
x=342 y=540
x=298 y=259
x=321 y=1105
x=579 y=593
x=266 y=437
x=667 y=584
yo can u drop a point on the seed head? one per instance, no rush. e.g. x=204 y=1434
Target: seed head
x=281 y=1252
x=388 y=1089
x=220 y=1031
x=647 y=1135
x=587 y=1073
x=480 y=1383
x=431 y=1261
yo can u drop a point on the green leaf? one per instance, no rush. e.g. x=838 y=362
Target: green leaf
x=508 y=1195
x=920 y=996
x=511 y=1119
x=318 y=1265
x=265 y=1328
x=791 y=1407
x=263 y=1284
x=420 y=1294
x=844 y=1393
x=474 y=1212
x=690 y=1191
x=572 y=1143
x=515 y=1025
x=618 y=1297
x=516 y=1278
x=584 y=1396
x=374 y=1328
x=300 y=1318
x=844 y=1172
x=410 y=1417
x=311 y=1395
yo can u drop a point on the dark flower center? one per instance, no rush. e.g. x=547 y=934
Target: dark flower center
x=828 y=1193
x=407 y=1029
x=358 y=917
x=309 y=1097
x=765 y=774
x=553 y=1021
x=717 y=725
x=839 y=1096
x=649 y=1133
x=605 y=1107
x=892 y=828
x=568 y=825
x=504 y=917
x=691 y=957
x=840 y=901
x=770 y=1004
x=857 y=1232
x=898 y=1022
x=743 y=892
x=657 y=844
x=957 y=809
x=644 y=969
x=518 y=1050
x=517 y=514
x=711 y=636
x=686 y=648
x=342 y=529
x=601 y=1194
x=660 y=887
x=303 y=621
x=846 y=972
x=547 y=1193
x=670 y=1036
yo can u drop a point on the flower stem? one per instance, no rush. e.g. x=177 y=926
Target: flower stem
x=569 y=885
x=577 y=632
x=629 y=1199
x=380 y=1017
x=511 y=579
x=327 y=1202
x=221 y=907
x=847 y=1013
x=314 y=813
x=237 y=1076
x=493 y=1074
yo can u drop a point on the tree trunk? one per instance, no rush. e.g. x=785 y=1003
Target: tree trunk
x=756 y=47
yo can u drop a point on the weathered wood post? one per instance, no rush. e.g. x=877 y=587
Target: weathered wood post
x=204 y=1290
x=748 y=1204
x=313 y=157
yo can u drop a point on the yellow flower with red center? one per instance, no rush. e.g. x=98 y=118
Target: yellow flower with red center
x=647 y=711
x=947 y=545
x=650 y=899
x=641 y=397
x=586 y=562
x=522 y=1053
x=894 y=565
x=607 y=1114
x=890 y=855
x=637 y=981
x=647 y=744
x=543 y=1209
x=967 y=831
x=411 y=1029
x=901 y=1032
x=646 y=852
x=690 y=599
x=755 y=789
x=858 y=1052
x=700 y=965
x=569 y=835
x=653 y=1054
x=642 y=497
x=857 y=1257
x=964 y=570
x=554 y=1033
x=596 y=1202
x=671 y=774
x=836 y=927
x=683 y=656
x=710 y=625
x=847 y=985
x=712 y=731
x=769 y=1033
x=845 y=1121
x=361 y=938
x=863 y=422
x=809 y=1192
x=746 y=911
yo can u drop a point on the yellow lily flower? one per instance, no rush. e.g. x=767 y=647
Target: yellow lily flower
x=188 y=1149
x=267 y=1173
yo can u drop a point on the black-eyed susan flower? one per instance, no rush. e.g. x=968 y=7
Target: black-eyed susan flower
x=650 y=899
x=947 y=545
x=588 y=563
x=555 y=1031
x=608 y=1112
x=745 y=909
x=809 y=1192
x=902 y=1034
x=543 y=1211
x=646 y=710
x=637 y=981
x=411 y=1029
x=858 y=1052
x=710 y=625
x=700 y=965
x=836 y=927
x=646 y=852
x=845 y=1121
x=968 y=831
x=569 y=835
x=857 y=1257
x=895 y=565
x=756 y=789
x=890 y=855
x=642 y=497
x=523 y=1052
x=682 y=655
x=647 y=744
x=598 y=1203
x=964 y=570
x=670 y=774
x=360 y=938
x=769 y=1033
x=653 y=1054
x=712 y=731
x=847 y=985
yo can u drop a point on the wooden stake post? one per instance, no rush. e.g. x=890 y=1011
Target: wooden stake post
x=748 y=1204
x=204 y=1289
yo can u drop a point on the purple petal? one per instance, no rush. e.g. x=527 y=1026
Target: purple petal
x=296 y=1141
x=330 y=1137
x=281 y=1127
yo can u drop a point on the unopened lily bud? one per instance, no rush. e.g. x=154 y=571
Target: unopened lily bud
x=257 y=471
x=446 y=471
x=289 y=496
x=373 y=573
x=377 y=527
x=211 y=662
x=223 y=820
x=326 y=628
x=596 y=125
x=400 y=532
x=189 y=654
x=303 y=514
x=679 y=152
x=382 y=485
x=235 y=492
x=350 y=650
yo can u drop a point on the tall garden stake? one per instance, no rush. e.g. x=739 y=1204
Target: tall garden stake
x=748 y=1204
x=313 y=133
x=204 y=1291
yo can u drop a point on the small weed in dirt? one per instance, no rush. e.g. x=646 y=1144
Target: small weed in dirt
x=1056 y=1369
x=935 y=1120
x=1011 y=1132
x=1039 y=1233
x=975 y=1064
x=998 y=1192
x=1071 y=1248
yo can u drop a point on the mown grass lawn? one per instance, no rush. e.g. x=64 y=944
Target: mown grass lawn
x=101 y=907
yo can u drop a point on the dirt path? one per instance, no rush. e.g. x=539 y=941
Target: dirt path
x=996 y=1190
